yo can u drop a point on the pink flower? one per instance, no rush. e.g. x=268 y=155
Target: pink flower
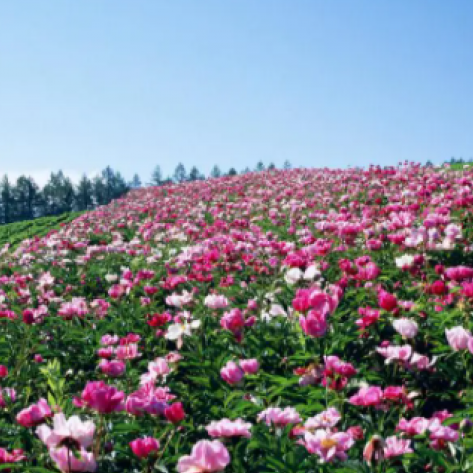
x=231 y=373
x=324 y=420
x=175 y=413
x=73 y=461
x=458 y=338
x=14 y=457
x=34 y=414
x=148 y=399
x=3 y=371
x=72 y=431
x=112 y=368
x=109 y=339
x=7 y=395
x=279 y=417
x=395 y=353
x=127 y=352
x=387 y=301
x=415 y=426
x=369 y=396
x=216 y=301
x=143 y=447
x=327 y=445
x=234 y=321
x=101 y=397
x=395 y=447
x=406 y=327
x=229 y=428
x=206 y=457
x=250 y=366
x=314 y=324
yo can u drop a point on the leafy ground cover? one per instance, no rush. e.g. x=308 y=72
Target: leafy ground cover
x=285 y=321
x=15 y=233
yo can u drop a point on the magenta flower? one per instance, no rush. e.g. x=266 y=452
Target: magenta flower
x=144 y=447
x=232 y=373
x=34 y=414
x=101 y=397
x=250 y=366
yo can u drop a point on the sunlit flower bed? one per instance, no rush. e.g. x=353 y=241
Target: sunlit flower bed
x=284 y=321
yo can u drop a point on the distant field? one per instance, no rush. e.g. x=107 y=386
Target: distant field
x=15 y=233
x=460 y=166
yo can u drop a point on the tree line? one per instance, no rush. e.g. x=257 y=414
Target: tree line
x=25 y=200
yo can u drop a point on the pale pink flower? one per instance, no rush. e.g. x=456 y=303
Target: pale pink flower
x=327 y=445
x=216 y=301
x=414 y=426
x=406 y=327
x=279 y=417
x=458 y=338
x=229 y=428
x=206 y=457
x=326 y=419
x=395 y=447
x=73 y=430
x=78 y=461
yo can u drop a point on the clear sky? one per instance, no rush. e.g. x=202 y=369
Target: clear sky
x=135 y=83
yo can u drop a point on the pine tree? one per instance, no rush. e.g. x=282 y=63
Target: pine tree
x=84 y=194
x=271 y=167
x=259 y=166
x=135 y=182
x=195 y=175
x=180 y=173
x=215 y=172
x=7 y=202
x=157 y=177
x=287 y=165
x=232 y=172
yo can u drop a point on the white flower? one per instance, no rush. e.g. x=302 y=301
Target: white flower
x=405 y=261
x=293 y=275
x=179 y=330
x=111 y=277
x=311 y=272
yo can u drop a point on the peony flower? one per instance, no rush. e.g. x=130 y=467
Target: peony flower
x=324 y=420
x=250 y=366
x=216 y=301
x=232 y=373
x=395 y=447
x=406 y=327
x=327 y=445
x=72 y=430
x=175 y=413
x=314 y=324
x=293 y=276
x=206 y=457
x=144 y=447
x=101 y=397
x=279 y=417
x=73 y=461
x=369 y=396
x=34 y=414
x=229 y=428
x=112 y=368
x=458 y=338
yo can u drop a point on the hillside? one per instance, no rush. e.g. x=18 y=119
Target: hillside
x=286 y=321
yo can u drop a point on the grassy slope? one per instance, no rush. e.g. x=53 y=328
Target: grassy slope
x=15 y=233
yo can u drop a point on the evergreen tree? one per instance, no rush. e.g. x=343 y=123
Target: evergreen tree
x=26 y=195
x=246 y=170
x=271 y=167
x=157 y=177
x=84 y=194
x=180 y=173
x=215 y=172
x=287 y=165
x=135 y=182
x=232 y=172
x=195 y=175
x=7 y=202
x=99 y=191
x=259 y=166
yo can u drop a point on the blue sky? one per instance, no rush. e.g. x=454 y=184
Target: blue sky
x=133 y=84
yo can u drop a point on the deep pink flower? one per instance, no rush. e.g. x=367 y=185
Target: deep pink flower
x=144 y=447
x=101 y=397
x=175 y=413
x=314 y=324
x=34 y=414
x=250 y=366
x=232 y=373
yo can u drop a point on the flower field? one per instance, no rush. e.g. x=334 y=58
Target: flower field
x=283 y=321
